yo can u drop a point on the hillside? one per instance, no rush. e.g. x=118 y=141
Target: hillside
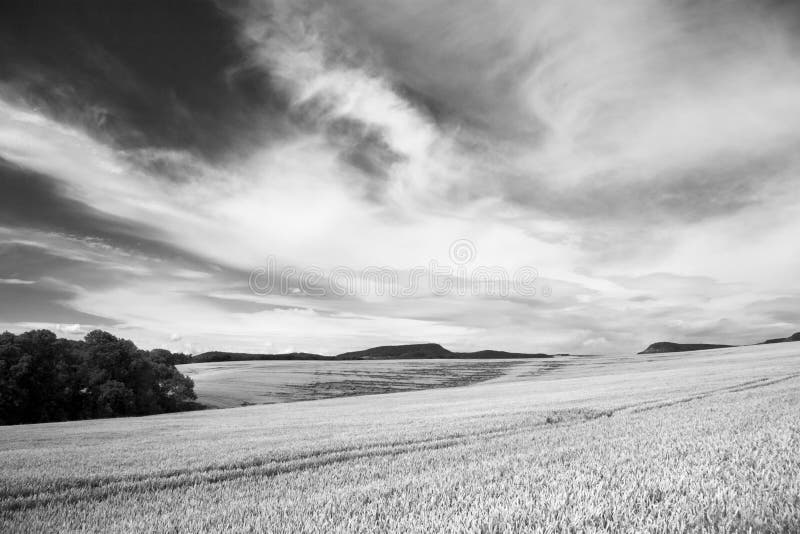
x=666 y=346
x=793 y=337
x=396 y=352
x=421 y=351
x=218 y=356
x=499 y=354
x=700 y=442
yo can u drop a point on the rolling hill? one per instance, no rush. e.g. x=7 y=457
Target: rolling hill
x=668 y=346
x=422 y=351
x=702 y=442
x=793 y=337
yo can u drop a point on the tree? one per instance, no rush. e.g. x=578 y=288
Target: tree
x=43 y=378
x=114 y=399
x=99 y=337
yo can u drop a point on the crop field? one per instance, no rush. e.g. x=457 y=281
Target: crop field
x=703 y=442
x=229 y=384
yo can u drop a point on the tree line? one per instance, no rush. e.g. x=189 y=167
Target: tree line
x=44 y=378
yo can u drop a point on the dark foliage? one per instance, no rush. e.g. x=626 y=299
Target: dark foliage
x=43 y=378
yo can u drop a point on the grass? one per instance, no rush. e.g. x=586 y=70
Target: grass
x=702 y=442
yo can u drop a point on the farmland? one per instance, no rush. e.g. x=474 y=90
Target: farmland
x=698 y=441
x=229 y=384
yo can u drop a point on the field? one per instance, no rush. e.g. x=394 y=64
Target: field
x=229 y=384
x=705 y=441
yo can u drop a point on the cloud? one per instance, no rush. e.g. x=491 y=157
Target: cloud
x=339 y=88
x=15 y=281
x=73 y=329
x=32 y=200
x=44 y=301
x=641 y=156
x=131 y=78
x=671 y=98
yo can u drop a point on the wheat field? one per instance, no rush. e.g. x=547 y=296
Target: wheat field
x=698 y=442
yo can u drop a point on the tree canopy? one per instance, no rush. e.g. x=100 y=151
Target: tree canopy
x=44 y=378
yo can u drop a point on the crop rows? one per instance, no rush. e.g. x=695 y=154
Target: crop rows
x=703 y=454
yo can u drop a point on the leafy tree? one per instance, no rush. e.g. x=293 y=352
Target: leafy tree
x=99 y=337
x=43 y=378
x=114 y=398
x=170 y=358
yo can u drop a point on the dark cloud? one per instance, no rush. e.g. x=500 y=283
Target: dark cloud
x=362 y=146
x=30 y=262
x=470 y=81
x=32 y=200
x=42 y=302
x=167 y=74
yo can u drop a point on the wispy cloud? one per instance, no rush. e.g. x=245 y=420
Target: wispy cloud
x=16 y=281
x=641 y=155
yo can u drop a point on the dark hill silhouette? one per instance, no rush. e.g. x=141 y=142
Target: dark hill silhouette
x=422 y=351
x=218 y=356
x=666 y=346
x=396 y=352
x=500 y=354
x=793 y=337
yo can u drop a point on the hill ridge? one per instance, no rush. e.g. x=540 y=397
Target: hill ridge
x=668 y=346
x=415 y=351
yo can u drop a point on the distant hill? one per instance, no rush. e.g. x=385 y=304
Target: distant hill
x=422 y=351
x=398 y=352
x=666 y=346
x=217 y=356
x=499 y=354
x=793 y=337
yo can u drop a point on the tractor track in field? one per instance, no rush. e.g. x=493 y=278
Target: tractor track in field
x=102 y=488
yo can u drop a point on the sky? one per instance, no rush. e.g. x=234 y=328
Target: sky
x=247 y=175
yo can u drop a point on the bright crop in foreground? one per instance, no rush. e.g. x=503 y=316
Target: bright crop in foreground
x=644 y=445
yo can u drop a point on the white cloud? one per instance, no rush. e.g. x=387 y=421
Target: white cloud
x=73 y=329
x=598 y=143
